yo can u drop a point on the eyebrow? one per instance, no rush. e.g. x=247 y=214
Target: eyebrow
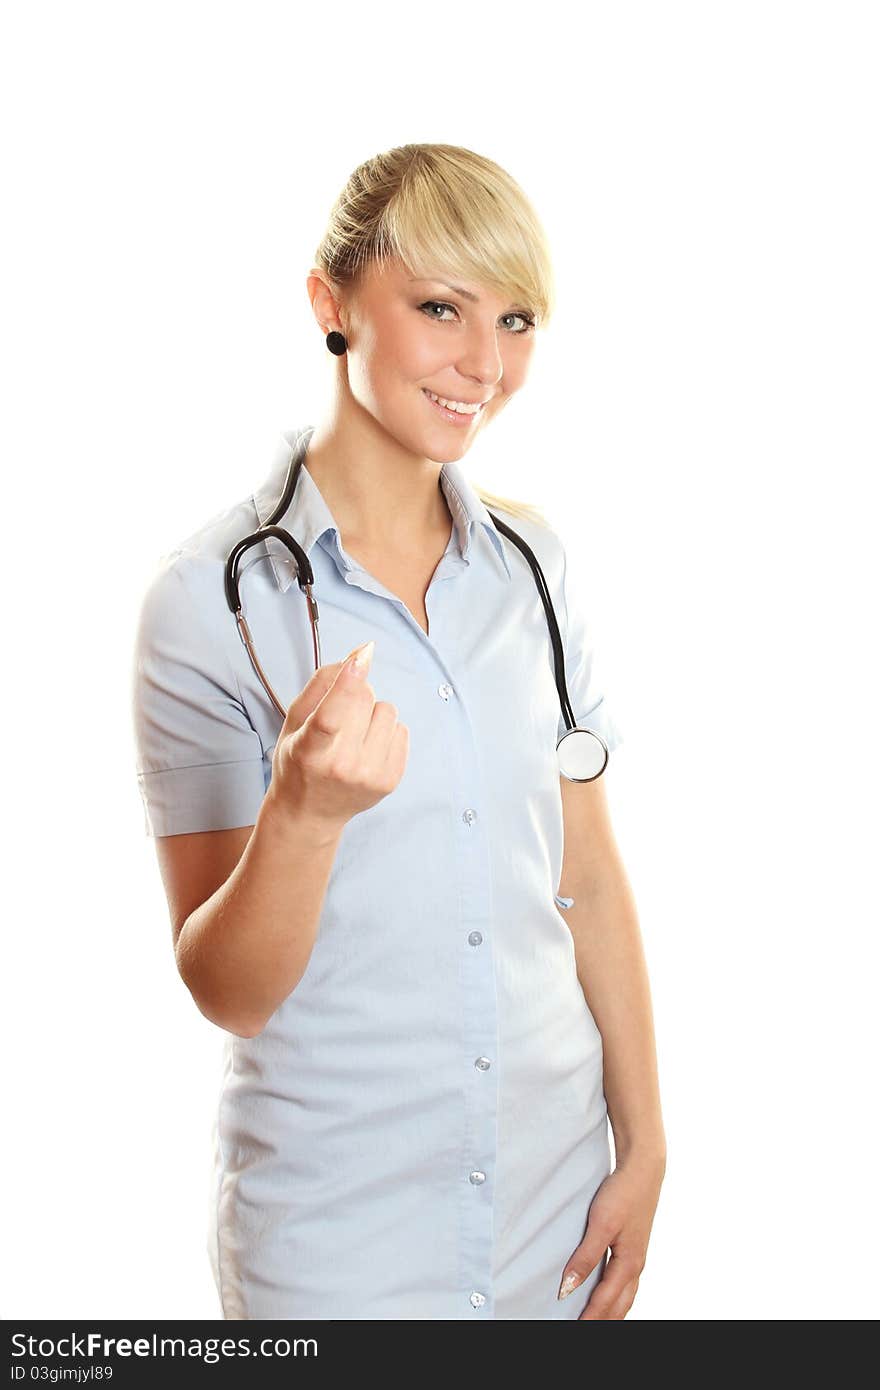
x=456 y=289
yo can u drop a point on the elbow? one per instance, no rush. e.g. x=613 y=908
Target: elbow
x=224 y=1017
x=220 y=1011
x=243 y=1029
x=242 y=1032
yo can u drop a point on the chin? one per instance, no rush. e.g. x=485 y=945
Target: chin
x=443 y=450
x=438 y=441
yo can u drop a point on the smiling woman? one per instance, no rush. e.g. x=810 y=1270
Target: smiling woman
x=373 y=887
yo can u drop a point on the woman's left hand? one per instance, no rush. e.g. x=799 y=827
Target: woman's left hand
x=621 y=1216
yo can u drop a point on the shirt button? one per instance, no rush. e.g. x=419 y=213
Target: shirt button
x=475 y=937
x=476 y=1178
x=477 y=1299
x=469 y=816
x=483 y=1063
x=444 y=690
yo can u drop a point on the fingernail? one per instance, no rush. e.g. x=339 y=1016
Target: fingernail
x=569 y=1283
x=363 y=655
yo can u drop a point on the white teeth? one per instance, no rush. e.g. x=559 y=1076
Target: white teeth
x=460 y=406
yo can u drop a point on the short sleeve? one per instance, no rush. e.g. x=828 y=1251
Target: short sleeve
x=581 y=675
x=199 y=760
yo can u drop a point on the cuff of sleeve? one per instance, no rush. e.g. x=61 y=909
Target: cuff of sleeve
x=600 y=721
x=215 y=796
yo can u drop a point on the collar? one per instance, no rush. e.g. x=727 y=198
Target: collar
x=308 y=517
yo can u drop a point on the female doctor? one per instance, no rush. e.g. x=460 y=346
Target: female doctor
x=418 y=938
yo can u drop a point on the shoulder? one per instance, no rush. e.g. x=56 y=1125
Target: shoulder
x=208 y=546
x=199 y=559
x=184 y=594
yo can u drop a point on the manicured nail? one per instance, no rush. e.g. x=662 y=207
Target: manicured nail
x=569 y=1283
x=362 y=657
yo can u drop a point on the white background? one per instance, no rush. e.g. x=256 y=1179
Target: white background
x=701 y=424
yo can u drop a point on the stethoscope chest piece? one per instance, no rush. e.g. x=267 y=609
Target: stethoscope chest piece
x=582 y=755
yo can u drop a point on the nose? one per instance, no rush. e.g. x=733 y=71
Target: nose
x=480 y=359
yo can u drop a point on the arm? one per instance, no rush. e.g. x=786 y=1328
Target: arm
x=612 y=971
x=245 y=877
x=245 y=906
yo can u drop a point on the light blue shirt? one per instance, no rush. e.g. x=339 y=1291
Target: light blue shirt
x=421 y=1126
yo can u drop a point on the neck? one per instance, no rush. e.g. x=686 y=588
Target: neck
x=380 y=493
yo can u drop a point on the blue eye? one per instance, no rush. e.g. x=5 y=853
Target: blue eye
x=431 y=304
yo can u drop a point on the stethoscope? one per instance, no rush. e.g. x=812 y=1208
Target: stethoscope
x=582 y=754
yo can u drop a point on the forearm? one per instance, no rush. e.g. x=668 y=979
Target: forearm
x=613 y=975
x=244 y=950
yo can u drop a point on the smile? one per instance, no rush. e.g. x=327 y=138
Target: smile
x=457 y=411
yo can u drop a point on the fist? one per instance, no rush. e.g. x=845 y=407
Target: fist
x=340 y=749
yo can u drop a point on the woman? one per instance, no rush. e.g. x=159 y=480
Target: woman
x=369 y=894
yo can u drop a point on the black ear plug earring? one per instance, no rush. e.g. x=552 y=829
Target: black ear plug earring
x=336 y=343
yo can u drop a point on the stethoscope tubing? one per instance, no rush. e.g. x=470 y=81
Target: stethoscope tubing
x=305 y=579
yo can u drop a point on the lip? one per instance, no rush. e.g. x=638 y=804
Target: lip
x=453 y=416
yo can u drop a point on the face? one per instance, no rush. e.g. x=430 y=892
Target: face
x=408 y=338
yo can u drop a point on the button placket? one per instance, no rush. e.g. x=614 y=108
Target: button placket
x=479 y=1036
x=480 y=1029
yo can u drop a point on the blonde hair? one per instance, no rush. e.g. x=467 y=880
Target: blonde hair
x=442 y=205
